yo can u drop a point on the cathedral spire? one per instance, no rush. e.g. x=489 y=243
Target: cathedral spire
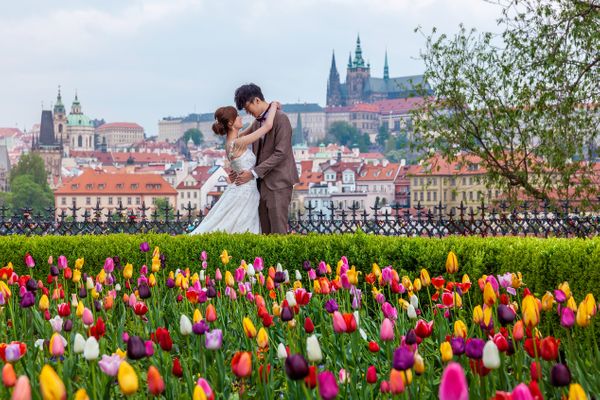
x=59 y=107
x=358 y=58
x=333 y=70
x=386 y=68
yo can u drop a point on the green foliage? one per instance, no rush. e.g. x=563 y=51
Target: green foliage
x=519 y=100
x=343 y=133
x=193 y=134
x=543 y=262
x=383 y=135
x=28 y=185
x=33 y=165
x=160 y=205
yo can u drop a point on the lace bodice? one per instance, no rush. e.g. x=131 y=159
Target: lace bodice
x=244 y=162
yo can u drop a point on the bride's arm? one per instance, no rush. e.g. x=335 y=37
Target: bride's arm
x=244 y=141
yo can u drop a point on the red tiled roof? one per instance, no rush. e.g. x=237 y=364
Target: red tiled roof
x=7 y=132
x=306 y=165
x=374 y=156
x=365 y=107
x=139 y=158
x=308 y=177
x=200 y=175
x=399 y=106
x=115 y=125
x=91 y=181
x=378 y=172
x=463 y=165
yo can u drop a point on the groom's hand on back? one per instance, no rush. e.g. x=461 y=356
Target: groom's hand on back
x=243 y=177
x=232 y=176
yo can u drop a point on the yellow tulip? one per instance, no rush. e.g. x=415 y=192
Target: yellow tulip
x=199 y=393
x=576 y=392
x=5 y=290
x=80 y=308
x=446 y=351
x=547 y=301
x=572 y=304
x=590 y=303
x=197 y=316
x=79 y=263
x=352 y=276
x=417 y=284
x=466 y=279
x=94 y=293
x=517 y=280
x=477 y=314
x=419 y=364
x=121 y=353
x=81 y=394
x=44 y=303
x=406 y=282
x=51 y=386
x=376 y=270
x=249 y=328
x=128 y=380
x=101 y=277
x=76 y=276
x=151 y=280
x=403 y=304
x=582 y=318
x=460 y=329
x=229 y=280
x=225 y=257
x=489 y=295
x=128 y=271
x=262 y=338
x=156 y=252
x=457 y=300
x=316 y=286
x=277 y=309
x=425 y=279
x=531 y=312
x=155 y=264
x=487 y=316
x=451 y=263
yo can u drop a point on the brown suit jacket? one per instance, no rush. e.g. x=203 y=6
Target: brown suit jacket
x=275 y=164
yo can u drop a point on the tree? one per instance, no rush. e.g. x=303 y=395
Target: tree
x=33 y=165
x=25 y=192
x=298 y=134
x=342 y=133
x=519 y=101
x=160 y=205
x=193 y=134
x=383 y=135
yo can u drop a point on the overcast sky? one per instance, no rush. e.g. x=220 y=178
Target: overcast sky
x=141 y=60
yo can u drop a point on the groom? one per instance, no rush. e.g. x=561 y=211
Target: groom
x=275 y=169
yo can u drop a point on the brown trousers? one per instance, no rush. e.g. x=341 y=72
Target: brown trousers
x=273 y=209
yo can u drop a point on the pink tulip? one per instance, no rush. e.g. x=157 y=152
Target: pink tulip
x=218 y=275
x=149 y=348
x=389 y=311
x=386 y=332
x=57 y=346
x=110 y=364
x=567 y=317
x=258 y=264
x=328 y=388
x=62 y=262
x=339 y=325
x=203 y=383
x=29 y=261
x=22 y=389
x=454 y=383
x=87 y=317
x=521 y=392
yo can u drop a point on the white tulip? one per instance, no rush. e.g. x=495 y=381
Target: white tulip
x=414 y=300
x=185 y=325
x=298 y=275
x=491 y=355
x=89 y=283
x=201 y=276
x=411 y=312
x=74 y=300
x=313 y=349
x=250 y=270
x=278 y=268
x=291 y=299
x=78 y=344
x=56 y=323
x=281 y=352
x=357 y=318
x=118 y=287
x=91 y=349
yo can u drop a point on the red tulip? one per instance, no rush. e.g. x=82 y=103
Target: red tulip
x=309 y=327
x=424 y=329
x=156 y=384
x=373 y=347
x=177 y=370
x=371 y=374
x=164 y=339
x=311 y=378
x=140 y=308
x=241 y=364
x=350 y=322
x=99 y=329
x=549 y=348
x=264 y=373
x=64 y=309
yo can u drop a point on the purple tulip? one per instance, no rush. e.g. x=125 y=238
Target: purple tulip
x=567 y=317
x=458 y=345
x=109 y=265
x=328 y=387
x=286 y=314
x=144 y=247
x=296 y=367
x=474 y=348
x=560 y=375
x=306 y=265
x=211 y=292
x=200 y=328
x=506 y=314
x=403 y=359
x=110 y=364
x=82 y=292
x=31 y=285
x=279 y=277
x=27 y=300
x=136 y=348
x=68 y=325
x=213 y=339
x=453 y=385
x=144 y=291
x=411 y=337
x=331 y=306
x=54 y=270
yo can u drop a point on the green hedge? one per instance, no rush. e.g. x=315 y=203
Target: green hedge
x=543 y=262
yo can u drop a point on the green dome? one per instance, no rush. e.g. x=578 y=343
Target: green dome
x=78 y=120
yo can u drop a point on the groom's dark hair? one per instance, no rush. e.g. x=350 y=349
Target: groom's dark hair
x=246 y=93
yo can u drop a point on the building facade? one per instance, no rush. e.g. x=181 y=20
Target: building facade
x=202 y=188
x=115 y=135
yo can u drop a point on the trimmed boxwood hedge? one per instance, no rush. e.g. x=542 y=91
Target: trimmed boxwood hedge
x=543 y=262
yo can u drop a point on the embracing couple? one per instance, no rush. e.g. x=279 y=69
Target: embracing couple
x=263 y=169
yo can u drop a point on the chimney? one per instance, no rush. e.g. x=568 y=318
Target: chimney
x=384 y=162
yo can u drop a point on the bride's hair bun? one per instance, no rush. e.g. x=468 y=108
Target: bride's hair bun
x=224 y=119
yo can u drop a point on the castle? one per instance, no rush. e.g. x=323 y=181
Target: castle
x=361 y=87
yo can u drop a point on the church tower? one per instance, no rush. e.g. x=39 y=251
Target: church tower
x=334 y=87
x=60 y=119
x=357 y=76
x=80 y=129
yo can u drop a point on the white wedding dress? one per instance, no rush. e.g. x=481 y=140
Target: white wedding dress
x=237 y=209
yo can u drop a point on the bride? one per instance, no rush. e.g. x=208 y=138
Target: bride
x=237 y=209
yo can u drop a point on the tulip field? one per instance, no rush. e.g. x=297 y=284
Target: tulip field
x=225 y=328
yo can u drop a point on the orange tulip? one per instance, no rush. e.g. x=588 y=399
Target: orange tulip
x=9 y=377
x=211 y=313
x=156 y=384
x=22 y=389
x=489 y=295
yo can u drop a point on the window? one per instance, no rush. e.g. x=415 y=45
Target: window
x=63 y=201
x=129 y=201
x=75 y=186
x=464 y=196
x=137 y=201
x=471 y=196
x=434 y=196
x=182 y=195
x=110 y=201
x=397 y=125
x=445 y=196
x=119 y=186
x=416 y=196
x=464 y=181
x=89 y=186
x=452 y=181
x=101 y=186
x=428 y=196
x=188 y=195
x=134 y=185
x=434 y=181
x=453 y=195
x=195 y=195
x=119 y=201
x=421 y=196
x=97 y=200
x=88 y=201
x=416 y=181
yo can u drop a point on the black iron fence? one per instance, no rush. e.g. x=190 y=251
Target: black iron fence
x=500 y=220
